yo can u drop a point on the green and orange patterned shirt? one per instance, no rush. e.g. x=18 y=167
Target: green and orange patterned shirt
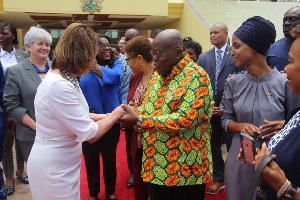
x=176 y=128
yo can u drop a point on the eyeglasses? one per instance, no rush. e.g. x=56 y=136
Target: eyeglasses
x=104 y=46
x=162 y=53
x=128 y=59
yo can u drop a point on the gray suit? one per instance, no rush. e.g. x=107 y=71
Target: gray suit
x=22 y=82
x=8 y=165
x=207 y=61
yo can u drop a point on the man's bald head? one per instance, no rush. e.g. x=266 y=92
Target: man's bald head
x=222 y=26
x=131 y=33
x=219 y=35
x=167 y=50
x=169 y=38
x=290 y=20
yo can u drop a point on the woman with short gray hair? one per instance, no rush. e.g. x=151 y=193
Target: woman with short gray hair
x=22 y=81
x=36 y=33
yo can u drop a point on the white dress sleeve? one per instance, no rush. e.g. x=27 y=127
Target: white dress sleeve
x=70 y=109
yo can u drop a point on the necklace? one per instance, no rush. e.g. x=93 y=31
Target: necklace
x=38 y=70
x=72 y=80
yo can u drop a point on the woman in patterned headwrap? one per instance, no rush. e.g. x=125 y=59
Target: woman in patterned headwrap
x=255 y=102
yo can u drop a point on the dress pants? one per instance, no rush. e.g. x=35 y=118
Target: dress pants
x=8 y=164
x=107 y=146
x=216 y=143
x=141 y=188
x=128 y=136
x=161 y=192
x=25 y=147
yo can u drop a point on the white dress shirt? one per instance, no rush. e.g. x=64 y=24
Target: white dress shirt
x=8 y=59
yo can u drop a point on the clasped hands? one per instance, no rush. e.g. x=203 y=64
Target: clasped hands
x=270 y=127
x=129 y=116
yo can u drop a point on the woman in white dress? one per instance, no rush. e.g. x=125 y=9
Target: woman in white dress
x=63 y=120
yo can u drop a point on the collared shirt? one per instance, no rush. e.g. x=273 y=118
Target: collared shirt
x=8 y=59
x=223 y=50
x=176 y=128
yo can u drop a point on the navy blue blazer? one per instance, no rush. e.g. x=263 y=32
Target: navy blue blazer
x=207 y=61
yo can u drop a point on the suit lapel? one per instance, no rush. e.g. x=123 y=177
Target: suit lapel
x=32 y=72
x=19 y=56
x=225 y=57
x=212 y=56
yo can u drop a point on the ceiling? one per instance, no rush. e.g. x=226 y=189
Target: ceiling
x=97 y=21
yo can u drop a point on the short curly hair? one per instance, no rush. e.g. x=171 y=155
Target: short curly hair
x=139 y=45
x=76 y=49
x=195 y=46
x=295 y=32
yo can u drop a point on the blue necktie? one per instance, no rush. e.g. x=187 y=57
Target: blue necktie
x=218 y=66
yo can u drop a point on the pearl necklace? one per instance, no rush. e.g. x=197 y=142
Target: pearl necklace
x=72 y=80
x=38 y=70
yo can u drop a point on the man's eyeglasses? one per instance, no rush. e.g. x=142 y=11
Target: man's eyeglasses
x=162 y=53
x=104 y=46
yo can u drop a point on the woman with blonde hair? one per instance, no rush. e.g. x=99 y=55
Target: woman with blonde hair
x=63 y=121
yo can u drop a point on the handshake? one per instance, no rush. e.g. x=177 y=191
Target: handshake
x=128 y=115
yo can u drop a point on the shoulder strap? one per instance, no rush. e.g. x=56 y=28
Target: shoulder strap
x=124 y=75
x=254 y=181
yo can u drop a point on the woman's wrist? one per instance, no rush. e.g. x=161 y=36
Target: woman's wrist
x=290 y=192
x=283 y=189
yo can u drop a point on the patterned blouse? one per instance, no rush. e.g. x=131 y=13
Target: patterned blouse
x=176 y=114
x=288 y=128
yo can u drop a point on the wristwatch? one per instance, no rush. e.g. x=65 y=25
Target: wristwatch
x=291 y=193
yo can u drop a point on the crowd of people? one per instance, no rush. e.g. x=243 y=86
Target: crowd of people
x=176 y=105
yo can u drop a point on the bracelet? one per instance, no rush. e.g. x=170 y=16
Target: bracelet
x=138 y=123
x=283 y=189
x=291 y=194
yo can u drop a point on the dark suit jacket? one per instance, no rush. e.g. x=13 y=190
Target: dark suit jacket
x=207 y=61
x=22 y=82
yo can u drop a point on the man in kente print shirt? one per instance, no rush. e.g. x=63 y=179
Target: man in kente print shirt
x=175 y=121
